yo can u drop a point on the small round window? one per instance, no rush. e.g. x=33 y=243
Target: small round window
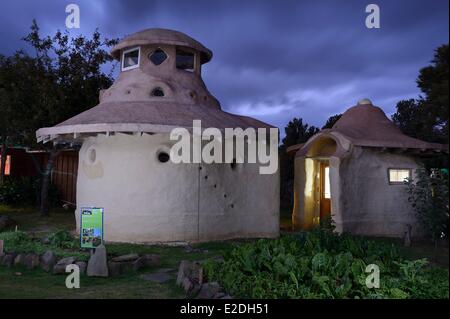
x=163 y=157
x=157 y=57
x=157 y=92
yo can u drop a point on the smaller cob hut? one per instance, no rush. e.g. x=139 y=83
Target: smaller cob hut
x=355 y=172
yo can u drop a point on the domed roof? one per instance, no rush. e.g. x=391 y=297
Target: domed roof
x=367 y=125
x=161 y=36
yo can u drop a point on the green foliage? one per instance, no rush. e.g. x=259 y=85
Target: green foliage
x=63 y=239
x=427 y=117
x=428 y=194
x=61 y=243
x=320 y=264
x=17 y=191
x=25 y=191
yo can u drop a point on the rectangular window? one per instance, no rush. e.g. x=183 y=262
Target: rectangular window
x=185 y=60
x=8 y=164
x=130 y=59
x=399 y=175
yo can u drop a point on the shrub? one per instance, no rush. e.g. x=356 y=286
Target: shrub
x=428 y=195
x=17 y=191
x=25 y=191
x=320 y=264
x=61 y=243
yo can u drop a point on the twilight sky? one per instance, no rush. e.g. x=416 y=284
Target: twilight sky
x=273 y=60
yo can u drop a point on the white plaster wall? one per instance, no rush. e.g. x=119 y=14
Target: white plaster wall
x=149 y=201
x=368 y=204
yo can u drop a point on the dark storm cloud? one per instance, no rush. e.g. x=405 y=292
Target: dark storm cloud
x=274 y=59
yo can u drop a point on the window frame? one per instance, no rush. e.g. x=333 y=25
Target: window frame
x=153 y=51
x=188 y=51
x=131 y=66
x=398 y=169
x=7 y=164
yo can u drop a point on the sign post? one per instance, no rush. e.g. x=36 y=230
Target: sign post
x=91 y=229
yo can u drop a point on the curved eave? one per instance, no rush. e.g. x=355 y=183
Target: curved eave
x=411 y=146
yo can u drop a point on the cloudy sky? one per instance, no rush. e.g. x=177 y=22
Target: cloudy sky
x=273 y=60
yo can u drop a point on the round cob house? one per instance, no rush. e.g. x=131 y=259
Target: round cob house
x=355 y=172
x=124 y=159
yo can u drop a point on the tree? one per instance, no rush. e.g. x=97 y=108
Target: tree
x=428 y=195
x=427 y=117
x=296 y=132
x=61 y=79
x=331 y=121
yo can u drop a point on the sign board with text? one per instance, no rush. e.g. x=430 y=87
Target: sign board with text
x=91 y=229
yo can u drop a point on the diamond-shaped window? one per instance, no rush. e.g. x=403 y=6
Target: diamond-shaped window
x=158 y=56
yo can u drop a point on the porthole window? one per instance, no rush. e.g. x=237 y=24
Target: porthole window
x=157 y=92
x=163 y=157
x=158 y=56
x=185 y=60
x=130 y=59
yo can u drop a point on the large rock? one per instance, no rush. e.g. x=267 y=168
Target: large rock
x=129 y=257
x=150 y=260
x=82 y=266
x=31 y=261
x=48 y=260
x=60 y=267
x=8 y=260
x=98 y=263
x=19 y=260
x=6 y=222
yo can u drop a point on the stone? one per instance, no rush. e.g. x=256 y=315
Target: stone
x=82 y=266
x=7 y=223
x=19 y=260
x=48 y=260
x=1 y=247
x=158 y=277
x=209 y=290
x=139 y=263
x=60 y=267
x=129 y=257
x=8 y=260
x=152 y=260
x=98 y=264
x=189 y=275
x=31 y=261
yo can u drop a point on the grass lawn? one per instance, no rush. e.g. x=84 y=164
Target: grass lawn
x=19 y=282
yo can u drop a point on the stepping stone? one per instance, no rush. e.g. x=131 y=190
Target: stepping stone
x=158 y=277
x=129 y=257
